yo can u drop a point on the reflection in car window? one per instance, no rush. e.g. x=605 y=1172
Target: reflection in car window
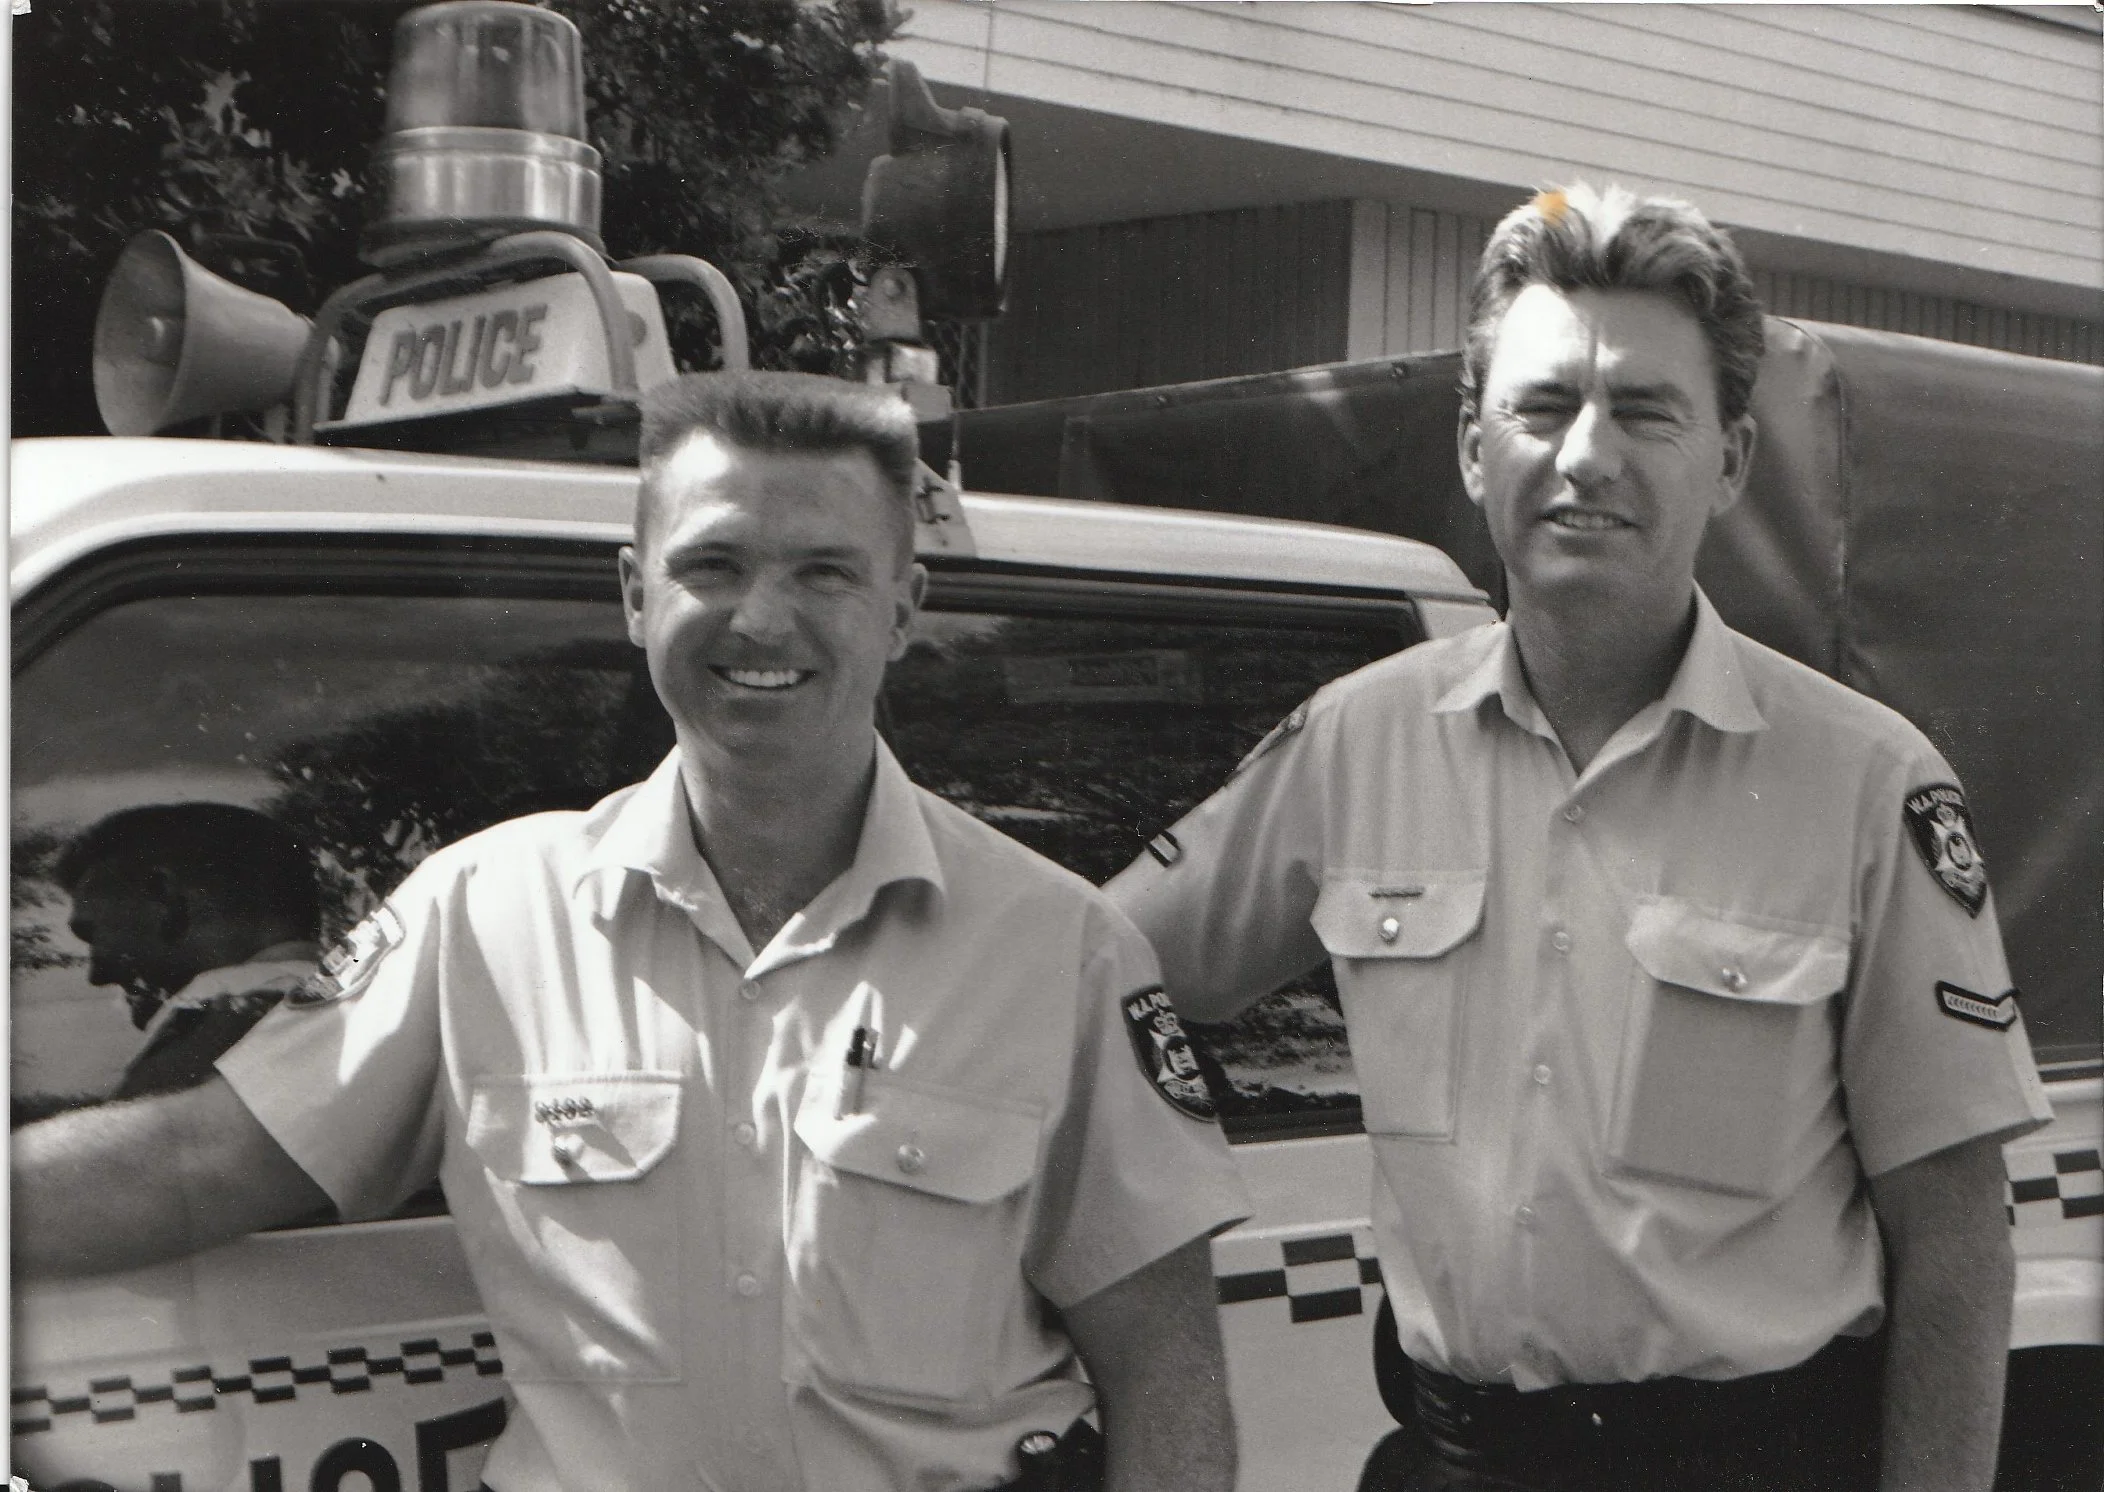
x=1084 y=737
x=375 y=728
x=380 y=727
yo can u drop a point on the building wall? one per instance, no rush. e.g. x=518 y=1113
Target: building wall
x=1171 y=300
x=1411 y=266
x=1960 y=136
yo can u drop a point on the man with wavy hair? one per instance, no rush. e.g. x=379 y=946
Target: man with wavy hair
x=1682 y=1023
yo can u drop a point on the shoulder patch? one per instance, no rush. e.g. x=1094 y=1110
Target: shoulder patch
x=1290 y=726
x=1941 y=827
x=349 y=966
x=1165 y=1055
x=1996 y=1013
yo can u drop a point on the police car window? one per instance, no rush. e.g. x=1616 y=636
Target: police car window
x=1084 y=737
x=375 y=727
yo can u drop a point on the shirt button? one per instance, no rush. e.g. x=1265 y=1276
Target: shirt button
x=747 y=1285
x=745 y=1132
x=1734 y=979
x=1560 y=941
x=1541 y=1075
x=1524 y=1214
x=912 y=1159
x=748 y=991
x=1390 y=929
x=1574 y=813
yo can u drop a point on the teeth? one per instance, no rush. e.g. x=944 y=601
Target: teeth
x=763 y=678
x=1571 y=518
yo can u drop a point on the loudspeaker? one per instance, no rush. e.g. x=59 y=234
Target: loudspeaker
x=174 y=342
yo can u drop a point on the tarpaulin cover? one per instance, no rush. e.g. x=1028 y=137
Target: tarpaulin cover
x=1924 y=521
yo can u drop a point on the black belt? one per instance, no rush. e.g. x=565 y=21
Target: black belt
x=1669 y=1432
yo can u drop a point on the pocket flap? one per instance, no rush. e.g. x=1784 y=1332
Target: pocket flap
x=1678 y=943
x=1398 y=914
x=957 y=1145
x=556 y=1129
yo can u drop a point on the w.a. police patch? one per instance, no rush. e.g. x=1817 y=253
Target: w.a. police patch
x=1942 y=829
x=1165 y=1054
x=349 y=966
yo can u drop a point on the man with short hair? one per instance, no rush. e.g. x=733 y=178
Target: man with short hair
x=794 y=1121
x=203 y=914
x=1684 y=1034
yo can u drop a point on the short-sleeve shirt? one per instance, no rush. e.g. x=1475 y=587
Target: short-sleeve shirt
x=714 y=1253
x=1628 y=1040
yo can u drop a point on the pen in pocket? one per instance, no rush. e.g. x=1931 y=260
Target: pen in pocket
x=861 y=1057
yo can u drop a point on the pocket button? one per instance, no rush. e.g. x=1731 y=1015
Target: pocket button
x=567 y=1148
x=1391 y=929
x=912 y=1159
x=1734 y=978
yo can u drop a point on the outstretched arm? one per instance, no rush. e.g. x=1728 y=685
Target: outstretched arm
x=1952 y=1276
x=128 y=1184
x=1151 y=1343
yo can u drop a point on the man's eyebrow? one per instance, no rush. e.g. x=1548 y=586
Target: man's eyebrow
x=700 y=548
x=1658 y=393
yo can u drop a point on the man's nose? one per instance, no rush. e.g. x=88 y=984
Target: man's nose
x=765 y=611
x=1591 y=452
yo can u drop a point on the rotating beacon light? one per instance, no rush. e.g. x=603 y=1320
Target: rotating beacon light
x=485 y=132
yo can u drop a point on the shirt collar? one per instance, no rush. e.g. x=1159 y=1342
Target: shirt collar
x=1708 y=684
x=278 y=967
x=646 y=831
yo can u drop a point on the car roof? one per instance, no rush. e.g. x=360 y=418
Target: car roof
x=70 y=497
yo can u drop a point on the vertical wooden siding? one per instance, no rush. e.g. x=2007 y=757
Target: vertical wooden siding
x=1818 y=299
x=1169 y=300
x=1411 y=268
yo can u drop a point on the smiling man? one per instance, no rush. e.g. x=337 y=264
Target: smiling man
x=1684 y=1034
x=791 y=1118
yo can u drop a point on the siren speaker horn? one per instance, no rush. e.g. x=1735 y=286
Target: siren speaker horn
x=175 y=342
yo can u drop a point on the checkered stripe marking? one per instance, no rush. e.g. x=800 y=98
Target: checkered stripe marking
x=2057 y=1187
x=1320 y=1276
x=268 y=1380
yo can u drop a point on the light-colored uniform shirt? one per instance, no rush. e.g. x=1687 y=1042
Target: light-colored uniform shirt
x=1628 y=1040
x=713 y=1253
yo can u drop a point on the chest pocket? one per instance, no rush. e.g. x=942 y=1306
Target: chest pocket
x=906 y=1238
x=1399 y=942
x=582 y=1257
x=1729 y=1054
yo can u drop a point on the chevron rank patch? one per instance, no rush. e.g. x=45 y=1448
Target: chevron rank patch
x=1996 y=1012
x=350 y=965
x=1942 y=830
x=1165 y=1054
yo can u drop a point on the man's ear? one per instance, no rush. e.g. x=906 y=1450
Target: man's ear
x=1469 y=440
x=906 y=606
x=1741 y=436
x=632 y=592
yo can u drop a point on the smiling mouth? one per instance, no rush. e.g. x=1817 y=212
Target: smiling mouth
x=764 y=678
x=1584 y=520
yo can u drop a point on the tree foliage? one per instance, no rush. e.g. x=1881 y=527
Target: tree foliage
x=220 y=119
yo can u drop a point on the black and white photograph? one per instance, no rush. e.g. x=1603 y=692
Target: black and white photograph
x=1056 y=746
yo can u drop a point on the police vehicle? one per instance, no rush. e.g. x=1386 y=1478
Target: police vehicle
x=396 y=621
